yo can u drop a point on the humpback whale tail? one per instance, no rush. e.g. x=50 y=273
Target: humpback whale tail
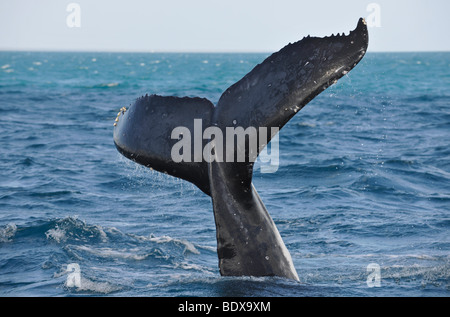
x=155 y=129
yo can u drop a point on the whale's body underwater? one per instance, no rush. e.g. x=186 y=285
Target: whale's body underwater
x=248 y=242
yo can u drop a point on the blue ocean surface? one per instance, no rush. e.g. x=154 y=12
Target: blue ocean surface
x=361 y=196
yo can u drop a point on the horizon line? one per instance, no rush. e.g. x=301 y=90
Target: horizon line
x=186 y=51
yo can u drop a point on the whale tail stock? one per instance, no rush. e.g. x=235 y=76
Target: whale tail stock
x=248 y=242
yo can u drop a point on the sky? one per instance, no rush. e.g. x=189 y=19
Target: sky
x=217 y=26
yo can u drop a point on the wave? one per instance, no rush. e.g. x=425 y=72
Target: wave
x=427 y=98
x=72 y=229
x=188 y=246
x=112 y=261
x=75 y=233
x=102 y=253
x=106 y=85
x=87 y=285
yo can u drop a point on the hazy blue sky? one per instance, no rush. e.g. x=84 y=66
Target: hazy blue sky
x=210 y=25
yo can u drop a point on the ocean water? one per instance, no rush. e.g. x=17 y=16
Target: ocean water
x=364 y=178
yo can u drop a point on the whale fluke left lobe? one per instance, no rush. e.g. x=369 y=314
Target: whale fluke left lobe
x=143 y=134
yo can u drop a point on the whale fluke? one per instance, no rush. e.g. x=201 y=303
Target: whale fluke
x=248 y=242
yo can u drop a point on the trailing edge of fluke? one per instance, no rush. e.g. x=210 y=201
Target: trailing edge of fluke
x=248 y=242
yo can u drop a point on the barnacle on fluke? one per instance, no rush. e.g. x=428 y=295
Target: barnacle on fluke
x=121 y=112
